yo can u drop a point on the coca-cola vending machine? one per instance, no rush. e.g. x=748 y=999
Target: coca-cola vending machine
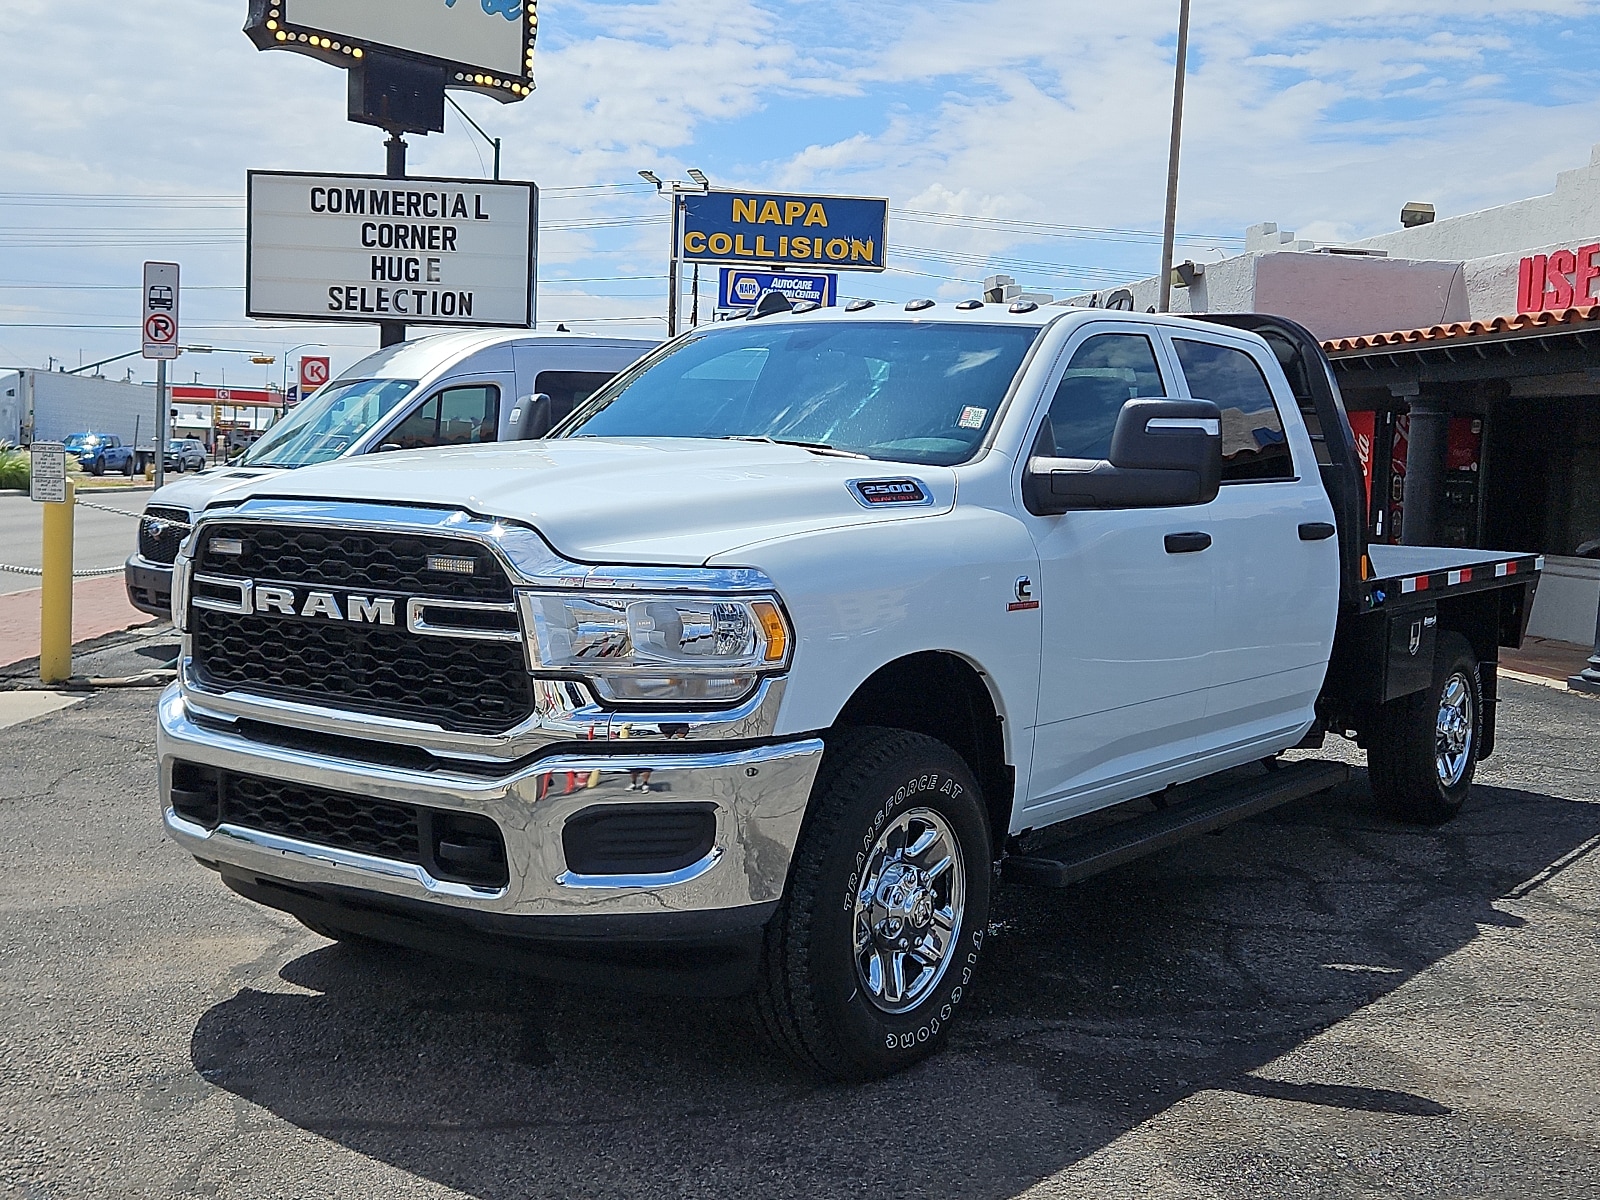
x=1382 y=443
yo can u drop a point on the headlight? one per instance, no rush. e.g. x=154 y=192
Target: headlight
x=695 y=649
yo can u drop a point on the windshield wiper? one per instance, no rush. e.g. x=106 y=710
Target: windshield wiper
x=814 y=447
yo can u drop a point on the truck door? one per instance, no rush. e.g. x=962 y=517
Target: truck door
x=1273 y=549
x=1128 y=608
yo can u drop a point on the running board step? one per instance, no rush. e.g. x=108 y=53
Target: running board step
x=1091 y=853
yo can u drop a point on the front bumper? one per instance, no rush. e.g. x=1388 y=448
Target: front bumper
x=758 y=794
x=149 y=586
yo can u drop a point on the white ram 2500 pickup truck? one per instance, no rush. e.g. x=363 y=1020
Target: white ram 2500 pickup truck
x=750 y=676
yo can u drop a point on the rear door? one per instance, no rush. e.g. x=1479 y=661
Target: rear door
x=1273 y=550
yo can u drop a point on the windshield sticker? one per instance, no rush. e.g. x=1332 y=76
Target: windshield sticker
x=972 y=418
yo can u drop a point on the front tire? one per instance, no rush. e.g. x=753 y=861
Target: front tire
x=99 y=467
x=1424 y=749
x=127 y=468
x=877 y=941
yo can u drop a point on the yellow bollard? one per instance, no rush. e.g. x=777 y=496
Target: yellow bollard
x=55 y=596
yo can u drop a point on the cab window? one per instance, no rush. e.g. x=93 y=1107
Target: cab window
x=456 y=416
x=1254 y=446
x=1105 y=373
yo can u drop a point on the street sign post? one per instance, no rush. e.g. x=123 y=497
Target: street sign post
x=160 y=321
x=741 y=288
x=47 y=473
x=159 y=329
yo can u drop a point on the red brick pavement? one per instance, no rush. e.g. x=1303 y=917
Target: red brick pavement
x=99 y=606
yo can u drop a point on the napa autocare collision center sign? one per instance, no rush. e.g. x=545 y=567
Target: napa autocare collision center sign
x=770 y=229
x=367 y=248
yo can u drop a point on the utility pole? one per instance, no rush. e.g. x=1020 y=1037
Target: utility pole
x=393 y=332
x=1169 y=229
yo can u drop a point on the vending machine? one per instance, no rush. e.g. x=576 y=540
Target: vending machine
x=1382 y=444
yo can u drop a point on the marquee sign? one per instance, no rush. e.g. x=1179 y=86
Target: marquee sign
x=368 y=248
x=484 y=45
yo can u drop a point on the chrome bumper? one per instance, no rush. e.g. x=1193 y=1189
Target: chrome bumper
x=759 y=796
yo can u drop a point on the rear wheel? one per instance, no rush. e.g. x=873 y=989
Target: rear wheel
x=1424 y=750
x=876 y=943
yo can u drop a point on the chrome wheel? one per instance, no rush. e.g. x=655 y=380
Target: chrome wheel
x=1452 y=742
x=908 y=909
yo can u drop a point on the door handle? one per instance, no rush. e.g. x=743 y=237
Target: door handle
x=1316 y=531
x=1186 y=543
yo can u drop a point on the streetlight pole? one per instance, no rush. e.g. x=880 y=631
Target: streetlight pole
x=675 y=190
x=1169 y=229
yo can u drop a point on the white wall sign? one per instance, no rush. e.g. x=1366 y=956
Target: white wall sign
x=160 y=320
x=367 y=248
x=47 y=472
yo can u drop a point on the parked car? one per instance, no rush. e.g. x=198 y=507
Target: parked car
x=185 y=454
x=98 y=453
x=752 y=674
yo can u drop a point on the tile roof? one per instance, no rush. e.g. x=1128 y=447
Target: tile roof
x=1521 y=323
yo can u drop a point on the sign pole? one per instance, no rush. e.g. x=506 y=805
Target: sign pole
x=162 y=420
x=392 y=333
x=674 y=265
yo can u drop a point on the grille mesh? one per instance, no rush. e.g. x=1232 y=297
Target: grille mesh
x=334 y=819
x=459 y=684
x=161 y=530
x=356 y=559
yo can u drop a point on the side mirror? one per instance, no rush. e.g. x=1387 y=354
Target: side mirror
x=1164 y=453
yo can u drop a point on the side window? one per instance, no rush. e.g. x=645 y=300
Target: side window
x=1253 y=441
x=566 y=389
x=454 y=417
x=1105 y=373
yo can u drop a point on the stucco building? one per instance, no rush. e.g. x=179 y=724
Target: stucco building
x=1468 y=351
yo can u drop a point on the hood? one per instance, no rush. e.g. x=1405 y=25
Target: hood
x=672 y=501
x=225 y=484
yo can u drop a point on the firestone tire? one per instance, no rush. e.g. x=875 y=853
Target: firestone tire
x=876 y=943
x=1424 y=750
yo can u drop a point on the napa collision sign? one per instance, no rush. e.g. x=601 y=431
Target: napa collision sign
x=482 y=45
x=368 y=248
x=772 y=229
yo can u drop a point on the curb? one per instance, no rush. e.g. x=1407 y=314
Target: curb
x=23 y=675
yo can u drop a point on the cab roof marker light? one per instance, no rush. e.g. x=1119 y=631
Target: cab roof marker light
x=859 y=305
x=918 y=305
x=1023 y=306
x=968 y=305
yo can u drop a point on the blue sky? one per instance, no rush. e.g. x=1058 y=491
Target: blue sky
x=1027 y=136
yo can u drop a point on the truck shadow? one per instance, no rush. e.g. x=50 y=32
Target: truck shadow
x=1101 y=1006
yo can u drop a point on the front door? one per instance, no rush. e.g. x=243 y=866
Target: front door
x=1127 y=610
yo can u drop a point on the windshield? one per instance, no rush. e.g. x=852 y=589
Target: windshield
x=326 y=425
x=917 y=393
x=79 y=440
x=174 y=445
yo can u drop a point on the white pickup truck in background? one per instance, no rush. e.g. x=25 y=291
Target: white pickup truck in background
x=750 y=676
x=445 y=389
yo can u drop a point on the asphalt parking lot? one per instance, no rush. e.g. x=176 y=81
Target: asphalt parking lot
x=1313 y=1003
